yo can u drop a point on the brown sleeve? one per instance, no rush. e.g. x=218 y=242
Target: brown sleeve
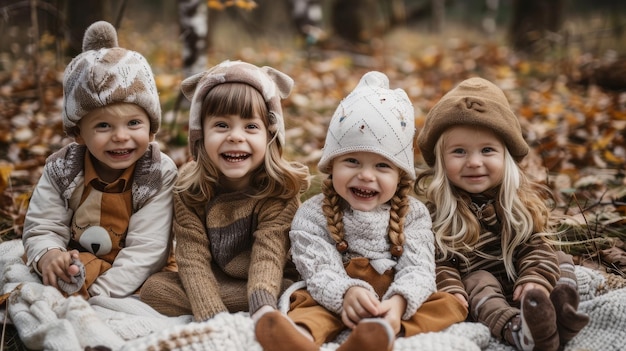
x=270 y=252
x=194 y=261
x=537 y=263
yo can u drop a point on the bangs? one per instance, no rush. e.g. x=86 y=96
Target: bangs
x=235 y=99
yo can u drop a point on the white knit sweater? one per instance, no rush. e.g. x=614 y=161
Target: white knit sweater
x=322 y=266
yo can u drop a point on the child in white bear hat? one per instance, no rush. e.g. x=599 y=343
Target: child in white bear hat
x=364 y=246
x=99 y=219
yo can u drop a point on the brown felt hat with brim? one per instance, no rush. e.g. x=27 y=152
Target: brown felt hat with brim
x=474 y=102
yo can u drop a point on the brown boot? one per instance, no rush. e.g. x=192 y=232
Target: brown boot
x=539 y=320
x=371 y=334
x=276 y=332
x=568 y=320
x=535 y=328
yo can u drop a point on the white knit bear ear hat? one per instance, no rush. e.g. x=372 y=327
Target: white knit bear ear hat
x=104 y=74
x=372 y=118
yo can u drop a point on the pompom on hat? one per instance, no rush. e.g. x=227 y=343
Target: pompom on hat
x=105 y=74
x=372 y=118
x=474 y=102
x=271 y=83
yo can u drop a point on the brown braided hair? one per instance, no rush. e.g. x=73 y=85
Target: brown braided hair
x=333 y=206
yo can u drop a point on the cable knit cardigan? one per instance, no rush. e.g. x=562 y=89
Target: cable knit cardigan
x=246 y=238
x=322 y=266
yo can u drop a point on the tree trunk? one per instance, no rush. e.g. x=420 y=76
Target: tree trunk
x=533 y=21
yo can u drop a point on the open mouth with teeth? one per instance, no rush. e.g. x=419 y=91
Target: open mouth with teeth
x=363 y=192
x=235 y=157
x=120 y=152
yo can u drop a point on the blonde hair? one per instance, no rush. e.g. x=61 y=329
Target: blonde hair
x=277 y=177
x=333 y=206
x=521 y=208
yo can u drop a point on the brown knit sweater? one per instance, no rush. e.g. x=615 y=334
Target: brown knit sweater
x=242 y=237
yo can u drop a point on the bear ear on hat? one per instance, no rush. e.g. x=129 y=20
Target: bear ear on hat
x=188 y=86
x=283 y=82
x=100 y=35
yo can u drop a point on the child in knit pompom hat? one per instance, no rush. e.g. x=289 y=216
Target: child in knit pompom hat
x=491 y=222
x=364 y=247
x=99 y=218
x=233 y=204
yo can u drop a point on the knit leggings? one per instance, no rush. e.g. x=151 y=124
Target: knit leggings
x=488 y=302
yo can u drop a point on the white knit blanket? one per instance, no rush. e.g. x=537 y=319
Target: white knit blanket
x=48 y=321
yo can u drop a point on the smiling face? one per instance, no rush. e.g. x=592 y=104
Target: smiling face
x=365 y=179
x=236 y=146
x=116 y=136
x=473 y=158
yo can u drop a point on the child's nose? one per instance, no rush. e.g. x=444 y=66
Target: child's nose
x=235 y=136
x=474 y=160
x=120 y=134
x=367 y=174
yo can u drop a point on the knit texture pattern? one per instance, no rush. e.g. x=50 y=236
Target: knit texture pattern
x=46 y=320
x=273 y=85
x=372 y=118
x=65 y=164
x=105 y=74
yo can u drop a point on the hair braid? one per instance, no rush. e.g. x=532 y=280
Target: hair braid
x=331 y=206
x=399 y=209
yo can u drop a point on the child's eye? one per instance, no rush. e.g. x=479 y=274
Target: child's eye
x=352 y=160
x=221 y=125
x=383 y=165
x=102 y=125
x=134 y=122
x=252 y=126
x=488 y=149
x=458 y=151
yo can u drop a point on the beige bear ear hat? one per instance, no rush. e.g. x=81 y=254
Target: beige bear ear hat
x=372 y=118
x=474 y=102
x=271 y=83
x=104 y=74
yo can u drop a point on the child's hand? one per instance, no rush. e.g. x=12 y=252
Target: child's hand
x=461 y=299
x=392 y=311
x=359 y=303
x=521 y=290
x=56 y=264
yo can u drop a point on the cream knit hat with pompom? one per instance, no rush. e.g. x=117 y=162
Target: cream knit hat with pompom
x=105 y=74
x=372 y=118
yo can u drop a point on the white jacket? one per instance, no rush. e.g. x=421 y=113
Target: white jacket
x=48 y=219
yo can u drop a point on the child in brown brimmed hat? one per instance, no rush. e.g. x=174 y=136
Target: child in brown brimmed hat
x=492 y=224
x=233 y=204
x=364 y=246
x=98 y=221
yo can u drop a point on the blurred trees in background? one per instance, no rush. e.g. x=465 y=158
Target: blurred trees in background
x=530 y=24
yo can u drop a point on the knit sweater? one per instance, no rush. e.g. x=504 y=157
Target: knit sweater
x=535 y=261
x=322 y=266
x=244 y=237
